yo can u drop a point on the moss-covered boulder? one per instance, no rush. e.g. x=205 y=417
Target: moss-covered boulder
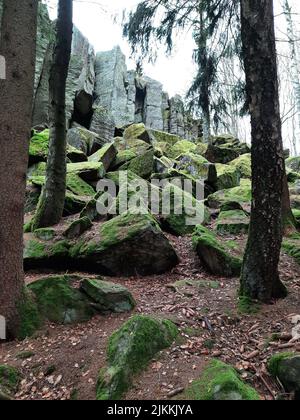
x=296 y=214
x=108 y=296
x=185 y=211
x=220 y=154
x=45 y=234
x=198 y=167
x=215 y=255
x=137 y=131
x=142 y=165
x=286 y=367
x=241 y=194
x=130 y=349
x=38 y=253
x=88 y=171
x=293 y=163
x=243 y=165
x=128 y=245
x=162 y=138
x=30 y=317
x=74 y=203
x=77 y=186
x=291 y=246
x=84 y=140
x=228 y=176
x=75 y=155
x=220 y=382
x=9 y=382
x=163 y=164
x=39 y=147
x=60 y=302
x=233 y=222
x=105 y=155
x=78 y=227
x=180 y=148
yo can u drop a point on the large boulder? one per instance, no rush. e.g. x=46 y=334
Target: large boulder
x=128 y=245
x=243 y=165
x=286 y=367
x=228 y=176
x=130 y=349
x=138 y=132
x=105 y=155
x=220 y=154
x=220 y=382
x=83 y=139
x=103 y=124
x=241 y=194
x=233 y=222
x=198 y=167
x=216 y=256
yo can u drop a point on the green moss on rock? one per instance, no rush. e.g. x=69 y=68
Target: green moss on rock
x=215 y=255
x=39 y=147
x=9 y=381
x=137 y=131
x=275 y=361
x=106 y=155
x=30 y=319
x=243 y=165
x=241 y=194
x=78 y=227
x=45 y=234
x=228 y=176
x=220 y=382
x=130 y=349
x=233 y=222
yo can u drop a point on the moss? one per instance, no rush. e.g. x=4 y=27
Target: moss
x=45 y=234
x=30 y=319
x=142 y=165
x=247 y=306
x=228 y=176
x=137 y=131
x=296 y=214
x=274 y=362
x=220 y=382
x=34 y=249
x=293 y=163
x=197 y=166
x=130 y=349
x=241 y=194
x=78 y=227
x=106 y=155
x=233 y=222
x=87 y=170
x=163 y=137
x=39 y=146
x=27 y=227
x=59 y=249
x=74 y=203
x=221 y=154
x=214 y=254
x=75 y=155
x=201 y=149
x=181 y=147
x=9 y=381
x=77 y=186
x=291 y=246
x=243 y=165
x=59 y=302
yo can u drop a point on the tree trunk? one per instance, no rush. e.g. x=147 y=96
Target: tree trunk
x=17 y=45
x=51 y=203
x=260 y=276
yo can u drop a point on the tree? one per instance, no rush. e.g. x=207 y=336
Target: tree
x=18 y=48
x=51 y=204
x=260 y=275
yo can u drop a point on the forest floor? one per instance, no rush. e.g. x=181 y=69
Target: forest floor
x=63 y=362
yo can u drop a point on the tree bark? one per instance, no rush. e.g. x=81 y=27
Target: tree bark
x=17 y=45
x=51 y=203
x=260 y=275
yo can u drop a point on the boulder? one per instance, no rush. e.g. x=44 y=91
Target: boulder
x=243 y=165
x=233 y=222
x=141 y=165
x=220 y=154
x=88 y=171
x=215 y=255
x=198 y=167
x=180 y=148
x=130 y=349
x=60 y=302
x=127 y=245
x=241 y=194
x=228 y=176
x=77 y=228
x=220 y=382
x=83 y=139
x=109 y=297
x=103 y=124
x=105 y=155
x=286 y=368
x=9 y=382
x=74 y=203
x=138 y=132
x=38 y=147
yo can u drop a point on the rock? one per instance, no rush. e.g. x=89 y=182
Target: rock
x=228 y=176
x=176 y=121
x=243 y=165
x=78 y=227
x=138 y=132
x=103 y=124
x=233 y=222
x=293 y=163
x=32 y=196
x=75 y=155
x=153 y=114
x=77 y=186
x=45 y=234
x=9 y=382
x=185 y=212
x=220 y=154
x=220 y=382
x=74 y=203
x=215 y=255
x=83 y=139
x=241 y=194
x=286 y=367
x=88 y=171
x=109 y=296
x=162 y=137
x=127 y=245
x=180 y=148
x=41 y=253
x=106 y=155
x=163 y=164
x=142 y=165
x=198 y=167
x=60 y=302
x=130 y=349
x=296 y=214
x=38 y=147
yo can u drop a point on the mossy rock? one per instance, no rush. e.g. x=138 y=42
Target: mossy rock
x=83 y=140
x=163 y=137
x=75 y=155
x=9 y=382
x=142 y=165
x=233 y=222
x=219 y=154
x=180 y=148
x=228 y=176
x=243 y=165
x=74 y=204
x=241 y=194
x=109 y=297
x=293 y=163
x=286 y=367
x=215 y=255
x=39 y=253
x=163 y=164
x=45 y=234
x=138 y=131
x=198 y=167
x=201 y=149
x=105 y=155
x=39 y=147
x=60 y=302
x=220 y=382
x=79 y=187
x=291 y=246
x=78 y=227
x=185 y=211
x=296 y=213
x=128 y=245
x=30 y=318
x=130 y=349
x=88 y=171
x=123 y=157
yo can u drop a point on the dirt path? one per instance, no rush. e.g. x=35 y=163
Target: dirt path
x=65 y=360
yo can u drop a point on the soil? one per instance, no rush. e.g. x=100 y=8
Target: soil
x=64 y=361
